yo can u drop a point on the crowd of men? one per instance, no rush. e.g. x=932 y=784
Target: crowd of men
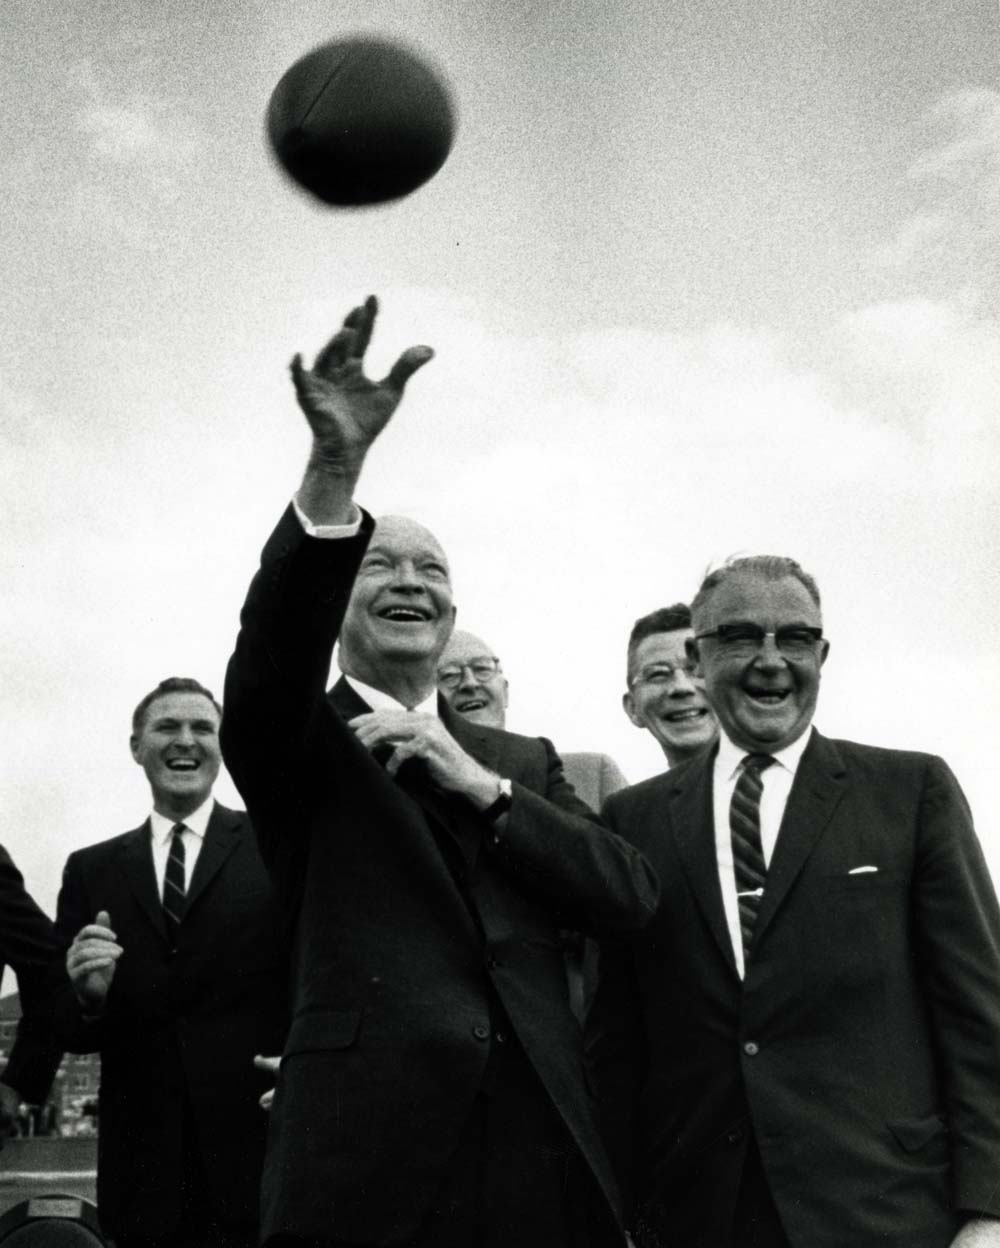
x=791 y=1015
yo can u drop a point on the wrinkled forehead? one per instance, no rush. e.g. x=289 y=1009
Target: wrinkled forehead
x=760 y=599
x=464 y=647
x=400 y=537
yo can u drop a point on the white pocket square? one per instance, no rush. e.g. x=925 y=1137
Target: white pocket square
x=861 y=870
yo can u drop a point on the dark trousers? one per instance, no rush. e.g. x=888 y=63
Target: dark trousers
x=756 y=1223
x=731 y=1209
x=199 y=1225
x=517 y=1179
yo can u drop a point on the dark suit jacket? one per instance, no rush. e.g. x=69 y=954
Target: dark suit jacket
x=412 y=914
x=863 y=1048
x=180 y=1031
x=28 y=944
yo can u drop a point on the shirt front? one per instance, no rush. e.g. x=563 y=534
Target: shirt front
x=777 y=781
x=161 y=827
x=381 y=701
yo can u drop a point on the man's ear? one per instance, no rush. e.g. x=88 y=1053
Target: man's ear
x=628 y=706
x=824 y=651
x=691 y=649
x=133 y=745
x=506 y=692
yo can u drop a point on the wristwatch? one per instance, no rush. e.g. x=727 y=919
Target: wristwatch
x=502 y=804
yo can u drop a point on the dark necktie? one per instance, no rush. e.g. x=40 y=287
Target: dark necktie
x=173 y=882
x=748 y=855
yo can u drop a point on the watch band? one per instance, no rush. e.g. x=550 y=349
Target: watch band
x=502 y=804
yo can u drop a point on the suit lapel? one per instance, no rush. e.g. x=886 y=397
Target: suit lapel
x=137 y=864
x=221 y=838
x=692 y=818
x=816 y=792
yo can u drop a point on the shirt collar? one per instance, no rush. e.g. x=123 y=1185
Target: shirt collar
x=731 y=756
x=196 y=822
x=378 y=700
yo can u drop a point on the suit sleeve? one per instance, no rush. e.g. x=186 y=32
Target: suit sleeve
x=957 y=927
x=28 y=943
x=596 y=881
x=615 y=1049
x=275 y=693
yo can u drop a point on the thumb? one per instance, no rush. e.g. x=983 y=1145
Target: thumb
x=406 y=366
x=103 y=919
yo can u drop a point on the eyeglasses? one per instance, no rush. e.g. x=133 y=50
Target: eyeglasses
x=481 y=669
x=795 y=641
x=663 y=673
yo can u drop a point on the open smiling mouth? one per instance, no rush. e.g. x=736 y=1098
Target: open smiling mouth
x=767 y=697
x=183 y=764
x=690 y=713
x=404 y=615
x=472 y=704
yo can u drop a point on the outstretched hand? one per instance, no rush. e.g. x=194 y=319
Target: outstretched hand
x=345 y=409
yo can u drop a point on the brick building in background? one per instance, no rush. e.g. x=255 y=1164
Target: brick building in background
x=72 y=1105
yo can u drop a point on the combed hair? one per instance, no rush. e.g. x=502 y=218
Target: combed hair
x=662 y=620
x=766 y=567
x=172 y=684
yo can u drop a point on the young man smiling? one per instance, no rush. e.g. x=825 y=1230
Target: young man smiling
x=175 y=957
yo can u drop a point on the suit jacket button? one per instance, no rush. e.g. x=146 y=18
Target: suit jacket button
x=481 y=1032
x=751 y=1049
x=500 y=1037
x=734 y=1137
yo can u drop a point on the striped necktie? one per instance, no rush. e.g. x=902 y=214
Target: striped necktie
x=748 y=855
x=174 y=892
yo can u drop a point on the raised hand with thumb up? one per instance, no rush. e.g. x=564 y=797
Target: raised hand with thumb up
x=90 y=962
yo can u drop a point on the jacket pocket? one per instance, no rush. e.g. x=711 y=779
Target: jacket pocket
x=913 y=1134
x=323 y=1031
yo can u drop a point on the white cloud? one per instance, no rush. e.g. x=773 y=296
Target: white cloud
x=970 y=145
x=953 y=227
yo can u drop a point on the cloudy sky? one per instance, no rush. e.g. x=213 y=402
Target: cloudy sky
x=701 y=279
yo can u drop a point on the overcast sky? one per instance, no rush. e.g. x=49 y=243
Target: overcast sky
x=701 y=279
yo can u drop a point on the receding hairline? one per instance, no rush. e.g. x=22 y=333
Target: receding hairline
x=767 y=568
x=384 y=523
x=472 y=641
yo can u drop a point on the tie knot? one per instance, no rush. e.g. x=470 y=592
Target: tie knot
x=757 y=763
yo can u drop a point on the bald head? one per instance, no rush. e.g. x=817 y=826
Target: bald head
x=470 y=680
x=401 y=612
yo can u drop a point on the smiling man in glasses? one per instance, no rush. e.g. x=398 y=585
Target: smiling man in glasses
x=809 y=1033
x=664 y=694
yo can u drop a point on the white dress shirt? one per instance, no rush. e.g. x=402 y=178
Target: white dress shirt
x=777 y=781
x=380 y=701
x=193 y=835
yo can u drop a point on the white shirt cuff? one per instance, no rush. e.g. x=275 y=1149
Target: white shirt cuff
x=350 y=529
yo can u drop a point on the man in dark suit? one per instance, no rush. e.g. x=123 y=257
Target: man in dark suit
x=176 y=959
x=28 y=945
x=664 y=694
x=804 y=1049
x=431 y=1091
